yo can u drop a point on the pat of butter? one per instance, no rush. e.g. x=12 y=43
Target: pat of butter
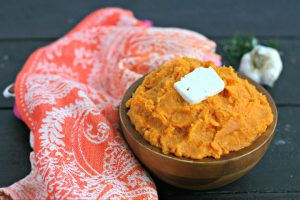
x=199 y=85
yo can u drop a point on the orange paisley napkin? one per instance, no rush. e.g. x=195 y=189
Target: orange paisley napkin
x=68 y=94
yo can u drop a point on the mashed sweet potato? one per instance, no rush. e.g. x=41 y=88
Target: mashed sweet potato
x=228 y=121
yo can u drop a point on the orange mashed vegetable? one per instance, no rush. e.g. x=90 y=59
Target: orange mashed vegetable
x=228 y=121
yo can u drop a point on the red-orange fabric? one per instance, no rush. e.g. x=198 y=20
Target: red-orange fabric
x=68 y=94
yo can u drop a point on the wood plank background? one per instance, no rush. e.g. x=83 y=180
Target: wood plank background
x=51 y=19
x=27 y=25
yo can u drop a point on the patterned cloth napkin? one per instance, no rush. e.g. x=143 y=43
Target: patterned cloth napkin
x=68 y=94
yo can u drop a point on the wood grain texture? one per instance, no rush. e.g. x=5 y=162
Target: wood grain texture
x=52 y=19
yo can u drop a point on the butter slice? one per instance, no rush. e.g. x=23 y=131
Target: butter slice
x=199 y=85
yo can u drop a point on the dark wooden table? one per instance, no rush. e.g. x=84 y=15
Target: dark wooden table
x=27 y=25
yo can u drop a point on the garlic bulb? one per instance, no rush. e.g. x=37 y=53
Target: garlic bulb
x=262 y=64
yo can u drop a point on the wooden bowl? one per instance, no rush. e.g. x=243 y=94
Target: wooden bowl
x=204 y=174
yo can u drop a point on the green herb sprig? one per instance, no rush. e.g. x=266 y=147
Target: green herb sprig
x=235 y=48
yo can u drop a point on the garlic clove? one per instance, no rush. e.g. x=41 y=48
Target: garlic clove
x=247 y=69
x=262 y=64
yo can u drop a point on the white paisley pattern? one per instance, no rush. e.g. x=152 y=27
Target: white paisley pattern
x=44 y=89
x=68 y=92
x=119 y=162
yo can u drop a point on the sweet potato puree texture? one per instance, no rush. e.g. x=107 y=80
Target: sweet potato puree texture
x=228 y=121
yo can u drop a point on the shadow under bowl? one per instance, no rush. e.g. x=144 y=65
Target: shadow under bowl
x=203 y=174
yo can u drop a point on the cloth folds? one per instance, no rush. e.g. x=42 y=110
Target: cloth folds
x=68 y=94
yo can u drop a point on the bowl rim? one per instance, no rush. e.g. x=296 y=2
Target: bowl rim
x=256 y=145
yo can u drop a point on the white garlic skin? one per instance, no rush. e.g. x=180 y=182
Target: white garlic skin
x=262 y=64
